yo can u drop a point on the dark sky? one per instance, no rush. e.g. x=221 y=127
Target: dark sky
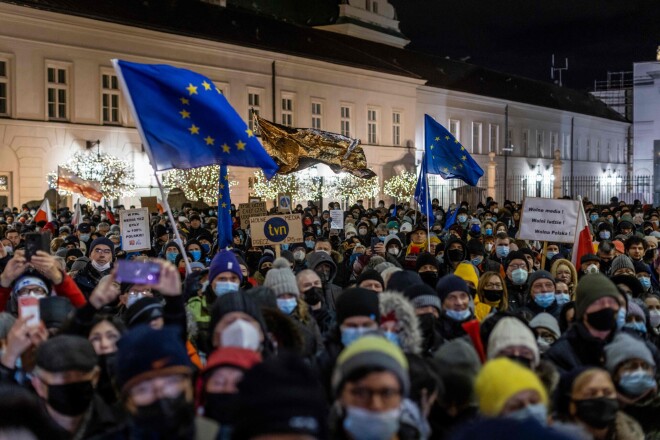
x=519 y=36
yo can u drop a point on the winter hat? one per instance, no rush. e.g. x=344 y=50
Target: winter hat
x=591 y=288
x=546 y=321
x=382 y=266
x=459 y=354
x=357 y=302
x=105 y=241
x=423 y=295
x=159 y=230
x=467 y=272
x=538 y=275
x=450 y=283
x=144 y=353
x=618 y=245
x=387 y=274
x=235 y=302
x=236 y=357
x=635 y=310
x=288 y=256
x=79 y=264
x=401 y=280
x=280 y=278
x=31 y=278
x=651 y=240
x=281 y=396
x=623 y=348
x=511 y=332
x=499 y=380
x=55 y=311
x=197 y=265
x=66 y=353
x=263 y=296
x=392 y=238
x=224 y=261
x=589 y=257
x=621 y=262
x=371 y=351
x=514 y=255
x=374 y=261
x=143 y=311
x=349 y=229
x=631 y=282
x=267 y=258
x=475 y=246
x=424 y=259
x=370 y=274
x=75 y=252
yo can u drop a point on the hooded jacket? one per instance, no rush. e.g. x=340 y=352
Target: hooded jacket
x=446 y=267
x=410 y=336
x=331 y=291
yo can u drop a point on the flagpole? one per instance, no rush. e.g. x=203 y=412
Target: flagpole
x=428 y=221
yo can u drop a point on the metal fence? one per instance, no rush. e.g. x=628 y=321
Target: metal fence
x=600 y=190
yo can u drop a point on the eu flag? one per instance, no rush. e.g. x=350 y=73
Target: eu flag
x=446 y=156
x=224 y=210
x=451 y=218
x=423 y=195
x=186 y=122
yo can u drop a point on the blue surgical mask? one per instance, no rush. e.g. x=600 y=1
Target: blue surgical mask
x=84 y=237
x=310 y=244
x=287 y=306
x=459 y=315
x=493 y=219
x=636 y=383
x=594 y=217
x=646 y=282
x=519 y=276
x=206 y=247
x=285 y=247
x=381 y=238
x=363 y=424
x=621 y=318
x=604 y=235
x=551 y=255
x=544 y=299
x=502 y=251
x=352 y=334
x=477 y=260
x=171 y=256
x=393 y=337
x=489 y=232
x=223 y=287
x=537 y=412
x=562 y=298
x=440 y=258
x=196 y=255
x=462 y=218
x=637 y=326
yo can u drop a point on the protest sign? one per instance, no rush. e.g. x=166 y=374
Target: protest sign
x=150 y=202
x=337 y=219
x=134 y=226
x=553 y=220
x=284 y=202
x=276 y=229
x=247 y=210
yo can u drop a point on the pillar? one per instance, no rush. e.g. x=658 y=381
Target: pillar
x=492 y=175
x=557 y=173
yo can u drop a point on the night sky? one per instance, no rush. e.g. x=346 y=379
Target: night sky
x=519 y=37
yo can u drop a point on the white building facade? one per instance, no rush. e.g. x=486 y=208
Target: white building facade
x=646 y=122
x=58 y=91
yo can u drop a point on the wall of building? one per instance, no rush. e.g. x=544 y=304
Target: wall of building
x=646 y=123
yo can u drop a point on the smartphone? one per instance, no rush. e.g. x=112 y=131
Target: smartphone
x=374 y=242
x=29 y=306
x=35 y=241
x=137 y=272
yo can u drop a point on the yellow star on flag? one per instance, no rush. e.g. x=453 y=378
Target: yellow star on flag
x=192 y=89
x=240 y=145
x=220 y=195
x=437 y=138
x=227 y=177
x=454 y=168
x=462 y=148
x=184 y=114
x=184 y=101
x=460 y=165
x=446 y=137
x=206 y=85
x=209 y=140
x=455 y=141
x=222 y=186
x=194 y=129
x=249 y=133
x=225 y=148
x=224 y=205
x=463 y=157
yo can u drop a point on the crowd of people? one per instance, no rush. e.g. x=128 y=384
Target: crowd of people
x=388 y=328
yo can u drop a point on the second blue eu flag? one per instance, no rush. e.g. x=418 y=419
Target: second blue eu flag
x=423 y=195
x=225 y=236
x=446 y=156
x=186 y=122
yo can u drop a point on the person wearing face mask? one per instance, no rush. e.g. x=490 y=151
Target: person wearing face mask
x=311 y=289
x=299 y=256
x=393 y=250
x=455 y=253
x=370 y=382
x=478 y=257
x=635 y=323
x=517 y=270
x=541 y=295
x=65 y=379
x=502 y=247
x=632 y=367
x=428 y=308
x=456 y=302
x=604 y=232
x=427 y=268
x=587 y=398
x=596 y=309
x=364 y=232
x=264 y=265
x=83 y=232
x=652 y=302
x=225 y=275
x=513 y=339
x=546 y=329
x=101 y=255
x=399 y=323
x=643 y=274
x=491 y=296
x=326 y=268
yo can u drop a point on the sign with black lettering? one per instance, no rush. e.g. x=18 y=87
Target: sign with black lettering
x=276 y=229
x=247 y=210
x=134 y=227
x=552 y=220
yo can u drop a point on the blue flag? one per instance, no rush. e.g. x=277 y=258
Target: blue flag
x=225 y=237
x=423 y=195
x=186 y=122
x=446 y=156
x=451 y=218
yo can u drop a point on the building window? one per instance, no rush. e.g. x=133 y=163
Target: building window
x=554 y=142
x=494 y=138
x=510 y=140
x=346 y=121
x=109 y=98
x=455 y=128
x=372 y=126
x=588 y=150
x=567 y=146
x=254 y=107
x=539 y=143
x=287 y=110
x=4 y=87
x=477 y=137
x=396 y=128
x=524 y=144
x=58 y=92
x=317 y=115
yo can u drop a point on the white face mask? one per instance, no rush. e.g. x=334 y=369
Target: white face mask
x=242 y=334
x=100 y=267
x=394 y=251
x=299 y=255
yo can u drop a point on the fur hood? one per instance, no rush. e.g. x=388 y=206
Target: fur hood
x=410 y=335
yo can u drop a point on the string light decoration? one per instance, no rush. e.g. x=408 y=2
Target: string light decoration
x=197 y=183
x=279 y=184
x=402 y=186
x=351 y=188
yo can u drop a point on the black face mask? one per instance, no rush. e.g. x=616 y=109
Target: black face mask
x=597 y=413
x=525 y=362
x=455 y=255
x=493 y=295
x=427 y=325
x=313 y=296
x=264 y=271
x=105 y=386
x=167 y=416
x=71 y=399
x=221 y=407
x=605 y=266
x=430 y=278
x=252 y=259
x=649 y=255
x=602 y=320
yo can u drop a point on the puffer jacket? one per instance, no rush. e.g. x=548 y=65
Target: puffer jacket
x=410 y=336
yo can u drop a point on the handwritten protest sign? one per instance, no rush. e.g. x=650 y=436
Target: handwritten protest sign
x=134 y=226
x=247 y=210
x=337 y=219
x=549 y=220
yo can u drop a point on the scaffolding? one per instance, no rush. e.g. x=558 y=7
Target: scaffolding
x=617 y=92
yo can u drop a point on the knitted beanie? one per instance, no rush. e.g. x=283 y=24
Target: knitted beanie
x=591 y=288
x=371 y=351
x=625 y=347
x=467 y=272
x=634 y=309
x=224 y=261
x=475 y=246
x=357 y=302
x=450 y=283
x=501 y=379
x=370 y=274
x=511 y=332
x=631 y=282
x=424 y=259
x=546 y=321
x=539 y=275
x=423 y=295
x=514 y=255
x=104 y=241
x=621 y=262
x=401 y=280
x=280 y=279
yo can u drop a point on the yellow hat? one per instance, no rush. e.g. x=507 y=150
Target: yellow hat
x=501 y=379
x=435 y=240
x=467 y=272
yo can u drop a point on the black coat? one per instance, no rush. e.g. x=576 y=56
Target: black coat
x=534 y=309
x=577 y=347
x=88 y=278
x=517 y=295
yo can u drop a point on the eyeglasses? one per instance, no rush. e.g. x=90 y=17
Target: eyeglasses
x=32 y=291
x=365 y=395
x=517 y=266
x=149 y=391
x=493 y=285
x=102 y=251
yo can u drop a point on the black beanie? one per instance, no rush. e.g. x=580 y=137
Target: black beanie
x=370 y=274
x=537 y=275
x=425 y=258
x=143 y=311
x=401 y=280
x=423 y=295
x=235 y=302
x=475 y=246
x=357 y=302
x=515 y=255
x=450 y=283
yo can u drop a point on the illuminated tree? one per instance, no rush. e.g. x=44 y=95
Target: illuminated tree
x=197 y=183
x=402 y=186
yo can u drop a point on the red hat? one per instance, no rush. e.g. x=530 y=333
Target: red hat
x=232 y=357
x=618 y=245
